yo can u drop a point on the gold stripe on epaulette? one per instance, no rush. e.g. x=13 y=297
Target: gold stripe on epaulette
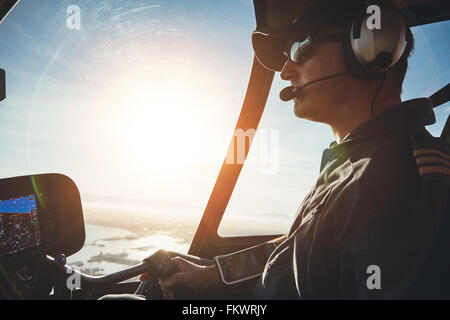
x=418 y=152
x=422 y=160
x=434 y=170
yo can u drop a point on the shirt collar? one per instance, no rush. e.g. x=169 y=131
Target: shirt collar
x=407 y=116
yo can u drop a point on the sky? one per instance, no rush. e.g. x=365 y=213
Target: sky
x=138 y=105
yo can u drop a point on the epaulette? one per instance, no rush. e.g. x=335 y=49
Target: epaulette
x=432 y=154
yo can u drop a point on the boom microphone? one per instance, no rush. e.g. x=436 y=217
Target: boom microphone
x=290 y=93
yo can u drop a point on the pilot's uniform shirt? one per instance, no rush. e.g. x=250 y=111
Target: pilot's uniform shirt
x=357 y=234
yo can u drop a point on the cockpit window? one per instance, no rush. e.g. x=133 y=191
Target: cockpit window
x=134 y=100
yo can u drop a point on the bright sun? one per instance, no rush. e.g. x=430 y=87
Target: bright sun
x=161 y=121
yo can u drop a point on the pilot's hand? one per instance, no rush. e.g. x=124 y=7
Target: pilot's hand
x=194 y=277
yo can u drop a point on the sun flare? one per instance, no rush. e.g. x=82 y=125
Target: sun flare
x=159 y=122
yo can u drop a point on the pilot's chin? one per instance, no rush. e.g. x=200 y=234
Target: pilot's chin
x=299 y=109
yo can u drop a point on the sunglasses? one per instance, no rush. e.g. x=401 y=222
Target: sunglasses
x=296 y=49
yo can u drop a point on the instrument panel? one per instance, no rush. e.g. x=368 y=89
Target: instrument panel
x=39 y=215
x=43 y=212
x=19 y=224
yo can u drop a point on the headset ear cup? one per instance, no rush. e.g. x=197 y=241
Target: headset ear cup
x=370 y=52
x=353 y=64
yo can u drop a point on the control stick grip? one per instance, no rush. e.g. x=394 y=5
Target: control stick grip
x=160 y=264
x=167 y=268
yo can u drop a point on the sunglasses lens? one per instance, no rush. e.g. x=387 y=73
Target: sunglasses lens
x=296 y=49
x=293 y=51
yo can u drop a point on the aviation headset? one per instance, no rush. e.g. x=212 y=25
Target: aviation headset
x=371 y=52
x=371 y=49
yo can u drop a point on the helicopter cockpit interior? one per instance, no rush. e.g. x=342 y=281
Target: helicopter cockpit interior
x=47 y=247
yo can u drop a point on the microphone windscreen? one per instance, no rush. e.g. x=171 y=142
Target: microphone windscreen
x=287 y=94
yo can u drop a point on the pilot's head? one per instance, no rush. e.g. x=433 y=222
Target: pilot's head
x=357 y=53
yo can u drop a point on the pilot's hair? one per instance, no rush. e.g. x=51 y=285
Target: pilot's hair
x=398 y=71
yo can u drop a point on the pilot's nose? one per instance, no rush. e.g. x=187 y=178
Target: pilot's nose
x=289 y=71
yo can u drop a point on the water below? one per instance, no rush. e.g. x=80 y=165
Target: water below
x=108 y=250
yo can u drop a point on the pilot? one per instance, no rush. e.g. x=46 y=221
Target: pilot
x=358 y=233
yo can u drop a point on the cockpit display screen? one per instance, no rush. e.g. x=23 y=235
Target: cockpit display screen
x=19 y=224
